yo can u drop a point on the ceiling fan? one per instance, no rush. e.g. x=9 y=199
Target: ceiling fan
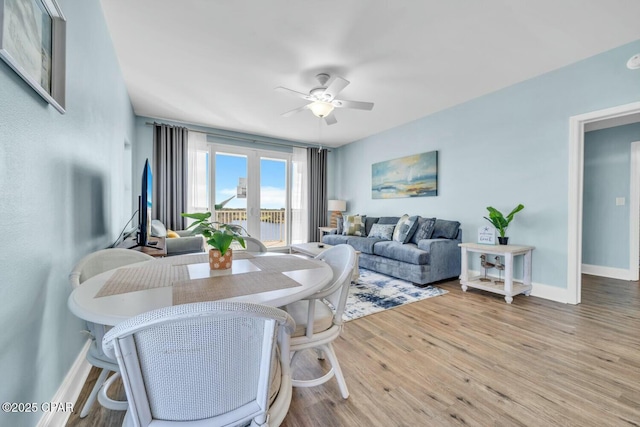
x=323 y=98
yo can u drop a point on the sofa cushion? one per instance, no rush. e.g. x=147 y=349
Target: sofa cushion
x=353 y=225
x=363 y=244
x=424 y=230
x=445 y=229
x=405 y=228
x=334 y=239
x=408 y=252
x=381 y=231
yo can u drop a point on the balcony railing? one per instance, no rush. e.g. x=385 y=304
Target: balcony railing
x=272 y=223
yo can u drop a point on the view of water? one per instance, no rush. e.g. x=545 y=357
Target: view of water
x=269 y=231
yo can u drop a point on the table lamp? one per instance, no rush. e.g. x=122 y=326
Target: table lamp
x=336 y=207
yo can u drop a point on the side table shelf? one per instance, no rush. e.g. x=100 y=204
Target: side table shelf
x=509 y=288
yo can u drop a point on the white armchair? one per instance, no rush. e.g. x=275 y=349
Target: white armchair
x=203 y=364
x=187 y=243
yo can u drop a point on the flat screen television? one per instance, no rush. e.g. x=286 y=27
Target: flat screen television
x=144 y=206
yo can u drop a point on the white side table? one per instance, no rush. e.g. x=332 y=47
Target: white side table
x=326 y=230
x=509 y=288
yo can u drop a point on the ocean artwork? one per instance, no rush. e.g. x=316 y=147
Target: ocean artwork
x=411 y=176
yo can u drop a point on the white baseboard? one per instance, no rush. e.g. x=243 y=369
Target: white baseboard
x=69 y=390
x=610 y=272
x=540 y=290
x=549 y=292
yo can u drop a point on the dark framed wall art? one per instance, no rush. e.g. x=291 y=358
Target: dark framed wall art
x=32 y=42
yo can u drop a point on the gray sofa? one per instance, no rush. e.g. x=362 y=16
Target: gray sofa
x=420 y=260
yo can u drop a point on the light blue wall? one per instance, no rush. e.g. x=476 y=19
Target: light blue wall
x=505 y=148
x=607 y=169
x=60 y=198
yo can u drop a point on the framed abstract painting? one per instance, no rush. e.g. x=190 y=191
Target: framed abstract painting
x=411 y=176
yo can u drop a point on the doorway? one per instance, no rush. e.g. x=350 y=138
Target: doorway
x=576 y=186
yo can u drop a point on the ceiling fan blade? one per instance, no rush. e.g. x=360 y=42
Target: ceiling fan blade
x=335 y=87
x=358 y=105
x=294 y=93
x=295 y=110
x=330 y=119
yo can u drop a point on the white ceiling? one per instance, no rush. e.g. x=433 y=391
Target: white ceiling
x=216 y=62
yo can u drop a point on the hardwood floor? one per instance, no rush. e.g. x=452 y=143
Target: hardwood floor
x=471 y=359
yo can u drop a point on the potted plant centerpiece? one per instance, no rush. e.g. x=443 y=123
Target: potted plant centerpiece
x=500 y=222
x=219 y=236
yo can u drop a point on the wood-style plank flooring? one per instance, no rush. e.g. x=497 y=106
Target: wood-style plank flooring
x=471 y=359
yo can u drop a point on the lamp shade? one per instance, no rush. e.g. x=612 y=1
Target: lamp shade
x=337 y=205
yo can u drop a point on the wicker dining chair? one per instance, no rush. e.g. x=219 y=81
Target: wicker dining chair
x=254 y=245
x=211 y=363
x=319 y=317
x=91 y=265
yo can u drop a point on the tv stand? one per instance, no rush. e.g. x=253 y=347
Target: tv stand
x=156 y=246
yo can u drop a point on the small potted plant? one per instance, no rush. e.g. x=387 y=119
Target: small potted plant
x=500 y=222
x=219 y=236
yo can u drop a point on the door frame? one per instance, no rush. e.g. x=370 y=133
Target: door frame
x=575 y=196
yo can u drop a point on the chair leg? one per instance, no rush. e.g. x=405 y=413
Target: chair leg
x=335 y=371
x=94 y=393
x=106 y=401
x=331 y=355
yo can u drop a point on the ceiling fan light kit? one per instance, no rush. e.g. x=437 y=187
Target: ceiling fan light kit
x=322 y=99
x=321 y=108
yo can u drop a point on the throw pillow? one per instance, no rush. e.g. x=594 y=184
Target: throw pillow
x=424 y=230
x=405 y=228
x=339 y=225
x=445 y=229
x=382 y=231
x=353 y=226
x=172 y=234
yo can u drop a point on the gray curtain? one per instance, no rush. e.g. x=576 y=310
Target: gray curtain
x=317 y=167
x=170 y=175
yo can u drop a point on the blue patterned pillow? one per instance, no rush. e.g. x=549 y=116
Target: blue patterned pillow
x=424 y=230
x=405 y=228
x=382 y=231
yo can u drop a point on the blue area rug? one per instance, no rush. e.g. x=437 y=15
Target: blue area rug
x=376 y=292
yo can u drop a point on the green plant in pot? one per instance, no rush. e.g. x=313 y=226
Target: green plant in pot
x=219 y=236
x=500 y=222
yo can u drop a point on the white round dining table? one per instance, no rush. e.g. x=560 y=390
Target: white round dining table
x=113 y=309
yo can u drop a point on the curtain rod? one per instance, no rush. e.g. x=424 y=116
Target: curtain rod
x=241 y=138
